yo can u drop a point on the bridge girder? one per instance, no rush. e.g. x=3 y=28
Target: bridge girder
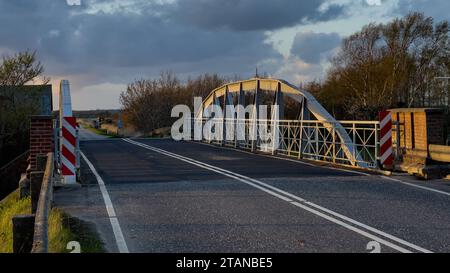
x=281 y=88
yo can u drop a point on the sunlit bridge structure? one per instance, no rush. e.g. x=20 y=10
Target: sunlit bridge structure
x=312 y=133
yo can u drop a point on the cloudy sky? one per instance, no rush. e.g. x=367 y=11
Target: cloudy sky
x=101 y=45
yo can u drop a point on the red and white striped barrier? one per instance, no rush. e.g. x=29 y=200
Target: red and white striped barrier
x=68 y=150
x=386 y=157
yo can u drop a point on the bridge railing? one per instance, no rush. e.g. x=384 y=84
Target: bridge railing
x=307 y=139
x=40 y=238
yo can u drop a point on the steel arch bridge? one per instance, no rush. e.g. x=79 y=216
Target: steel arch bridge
x=315 y=134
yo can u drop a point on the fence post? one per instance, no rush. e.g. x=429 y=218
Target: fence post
x=334 y=144
x=317 y=141
x=397 y=141
x=23 y=232
x=354 y=141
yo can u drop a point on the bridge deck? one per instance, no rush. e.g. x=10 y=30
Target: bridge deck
x=165 y=203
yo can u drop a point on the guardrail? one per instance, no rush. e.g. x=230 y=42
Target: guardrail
x=302 y=139
x=30 y=231
x=11 y=172
x=40 y=239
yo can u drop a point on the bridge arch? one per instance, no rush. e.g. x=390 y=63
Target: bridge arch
x=310 y=107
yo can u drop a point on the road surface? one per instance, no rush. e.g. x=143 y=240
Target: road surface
x=86 y=134
x=168 y=196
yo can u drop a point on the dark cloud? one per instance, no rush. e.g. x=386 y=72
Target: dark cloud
x=103 y=43
x=253 y=14
x=74 y=41
x=312 y=47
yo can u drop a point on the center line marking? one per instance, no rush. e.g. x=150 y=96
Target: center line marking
x=120 y=239
x=302 y=203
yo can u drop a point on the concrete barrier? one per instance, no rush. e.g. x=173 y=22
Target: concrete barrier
x=40 y=239
x=23 y=232
x=439 y=153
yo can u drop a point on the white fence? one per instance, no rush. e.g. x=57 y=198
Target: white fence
x=307 y=139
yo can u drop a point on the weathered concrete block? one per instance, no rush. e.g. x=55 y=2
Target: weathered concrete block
x=24 y=186
x=41 y=161
x=23 y=232
x=35 y=188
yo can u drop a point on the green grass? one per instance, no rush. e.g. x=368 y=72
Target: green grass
x=101 y=132
x=9 y=207
x=62 y=227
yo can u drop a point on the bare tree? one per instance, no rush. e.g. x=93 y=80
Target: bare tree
x=147 y=103
x=15 y=72
x=390 y=65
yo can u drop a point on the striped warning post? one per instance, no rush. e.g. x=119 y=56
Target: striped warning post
x=68 y=149
x=386 y=157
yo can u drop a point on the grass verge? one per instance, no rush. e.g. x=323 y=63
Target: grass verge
x=9 y=207
x=101 y=132
x=62 y=227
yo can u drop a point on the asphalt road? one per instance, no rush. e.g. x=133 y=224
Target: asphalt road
x=166 y=199
x=85 y=134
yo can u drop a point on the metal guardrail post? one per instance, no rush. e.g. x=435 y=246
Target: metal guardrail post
x=354 y=139
x=334 y=144
x=317 y=141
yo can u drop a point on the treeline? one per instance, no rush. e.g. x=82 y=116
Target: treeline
x=147 y=103
x=386 y=66
x=106 y=113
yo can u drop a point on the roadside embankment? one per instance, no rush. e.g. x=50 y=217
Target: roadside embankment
x=62 y=227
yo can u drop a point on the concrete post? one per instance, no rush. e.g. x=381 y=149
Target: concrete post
x=41 y=162
x=24 y=186
x=23 y=232
x=35 y=188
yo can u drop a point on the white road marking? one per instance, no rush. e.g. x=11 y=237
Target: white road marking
x=332 y=168
x=303 y=203
x=288 y=159
x=416 y=186
x=120 y=239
